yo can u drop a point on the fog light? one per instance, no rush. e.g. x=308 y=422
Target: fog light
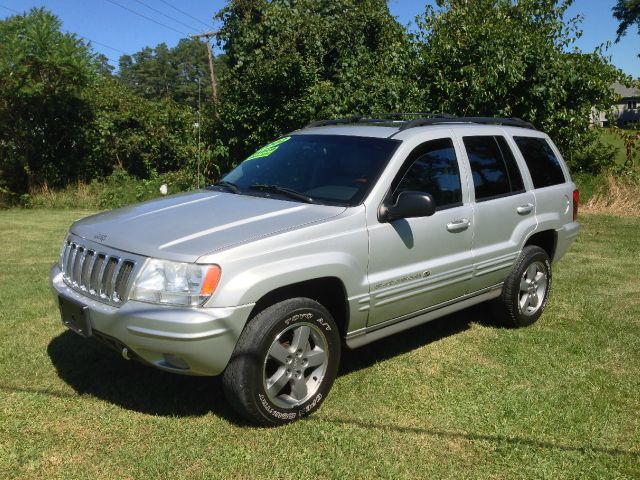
x=175 y=362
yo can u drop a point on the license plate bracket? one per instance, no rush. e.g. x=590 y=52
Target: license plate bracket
x=75 y=316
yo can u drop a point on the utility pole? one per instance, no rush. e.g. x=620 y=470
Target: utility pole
x=212 y=70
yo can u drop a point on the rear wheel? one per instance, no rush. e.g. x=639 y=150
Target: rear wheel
x=526 y=290
x=284 y=363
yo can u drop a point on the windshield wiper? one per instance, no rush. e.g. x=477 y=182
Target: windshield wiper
x=282 y=190
x=228 y=186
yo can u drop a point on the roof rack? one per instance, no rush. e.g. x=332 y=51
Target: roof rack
x=376 y=118
x=426 y=118
x=511 y=122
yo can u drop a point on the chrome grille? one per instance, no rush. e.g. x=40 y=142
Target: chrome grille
x=96 y=274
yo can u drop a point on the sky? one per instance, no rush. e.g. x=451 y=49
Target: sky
x=116 y=27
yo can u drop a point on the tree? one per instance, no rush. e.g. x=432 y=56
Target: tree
x=140 y=136
x=627 y=12
x=292 y=61
x=42 y=75
x=505 y=58
x=163 y=72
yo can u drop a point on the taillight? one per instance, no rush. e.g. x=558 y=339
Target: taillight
x=576 y=201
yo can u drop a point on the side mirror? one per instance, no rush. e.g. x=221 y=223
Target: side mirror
x=408 y=205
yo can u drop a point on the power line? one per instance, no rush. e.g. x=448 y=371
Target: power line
x=185 y=13
x=165 y=15
x=81 y=36
x=104 y=45
x=148 y=18
x=11 y=9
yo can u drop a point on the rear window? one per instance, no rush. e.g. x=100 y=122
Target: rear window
x=543 y=164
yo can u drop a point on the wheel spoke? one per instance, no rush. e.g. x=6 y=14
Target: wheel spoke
x=540 y=277
x=524 y=285
x=299 y=388
x=300 y=338
x=533 y=299
x=524 y=301
x=315 y=358
x=277 y=381
x=531 y=272
x=542 y=285
x=279 y=353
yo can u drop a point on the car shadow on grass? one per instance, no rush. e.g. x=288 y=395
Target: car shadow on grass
x=408 y=340
x=90 y=368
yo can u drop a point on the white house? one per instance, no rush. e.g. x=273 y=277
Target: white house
x=626 y=111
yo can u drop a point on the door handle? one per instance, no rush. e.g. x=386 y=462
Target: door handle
x=525 y=209
x=458 y=225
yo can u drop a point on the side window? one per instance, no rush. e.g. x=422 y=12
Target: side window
x=434 y=170
x=493 y=166
x=543 y=164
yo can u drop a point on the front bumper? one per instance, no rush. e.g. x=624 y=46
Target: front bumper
x=195 y=341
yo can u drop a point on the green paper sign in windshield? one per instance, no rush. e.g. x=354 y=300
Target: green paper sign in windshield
x=268 y=150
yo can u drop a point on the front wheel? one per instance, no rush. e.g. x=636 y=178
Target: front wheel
x=284 y=363
x=526 y=289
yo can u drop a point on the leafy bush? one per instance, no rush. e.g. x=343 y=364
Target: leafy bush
x=116 y=190
x=120 y=189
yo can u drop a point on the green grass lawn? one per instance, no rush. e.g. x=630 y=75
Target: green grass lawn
x=457 y=398
x=609 y=138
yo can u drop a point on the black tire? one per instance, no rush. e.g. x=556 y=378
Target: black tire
x=252 y=365
x=508 y=307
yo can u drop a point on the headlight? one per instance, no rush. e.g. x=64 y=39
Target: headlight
x=175 y=283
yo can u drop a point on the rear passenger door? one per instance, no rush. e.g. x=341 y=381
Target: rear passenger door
x=504 y=211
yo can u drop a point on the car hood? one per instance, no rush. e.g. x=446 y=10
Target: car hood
x=186 y=226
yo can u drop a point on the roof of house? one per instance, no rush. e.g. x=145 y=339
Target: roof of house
x=625 y=91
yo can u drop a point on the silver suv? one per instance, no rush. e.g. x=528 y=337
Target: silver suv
x=343 y=232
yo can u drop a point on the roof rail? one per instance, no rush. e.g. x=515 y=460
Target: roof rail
x=426 y=119
x=416 y=114
x=335 y=121
x=376 y=118
x=512 y=122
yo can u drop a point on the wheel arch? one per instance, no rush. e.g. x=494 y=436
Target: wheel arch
x=330 y=292
x=546 y=239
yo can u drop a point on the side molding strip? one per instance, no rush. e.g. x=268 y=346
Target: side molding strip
x=367 y=335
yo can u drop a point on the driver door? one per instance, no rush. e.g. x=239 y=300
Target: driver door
x=416 y=263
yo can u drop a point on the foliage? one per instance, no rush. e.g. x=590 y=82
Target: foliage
x=65 y=119
x=631 y=140
x=163 y=72
x=627 y=12
x=500 y=58
x=292 y=61
x=135 y=134
x=116 y=190
x=120 y=189
x=42 y=113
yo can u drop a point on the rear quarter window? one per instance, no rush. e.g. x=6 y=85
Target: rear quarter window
x=542 y=163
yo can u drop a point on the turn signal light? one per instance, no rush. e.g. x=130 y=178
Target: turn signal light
x=211 y=280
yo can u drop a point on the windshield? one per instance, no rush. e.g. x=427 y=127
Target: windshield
x=332 y=169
